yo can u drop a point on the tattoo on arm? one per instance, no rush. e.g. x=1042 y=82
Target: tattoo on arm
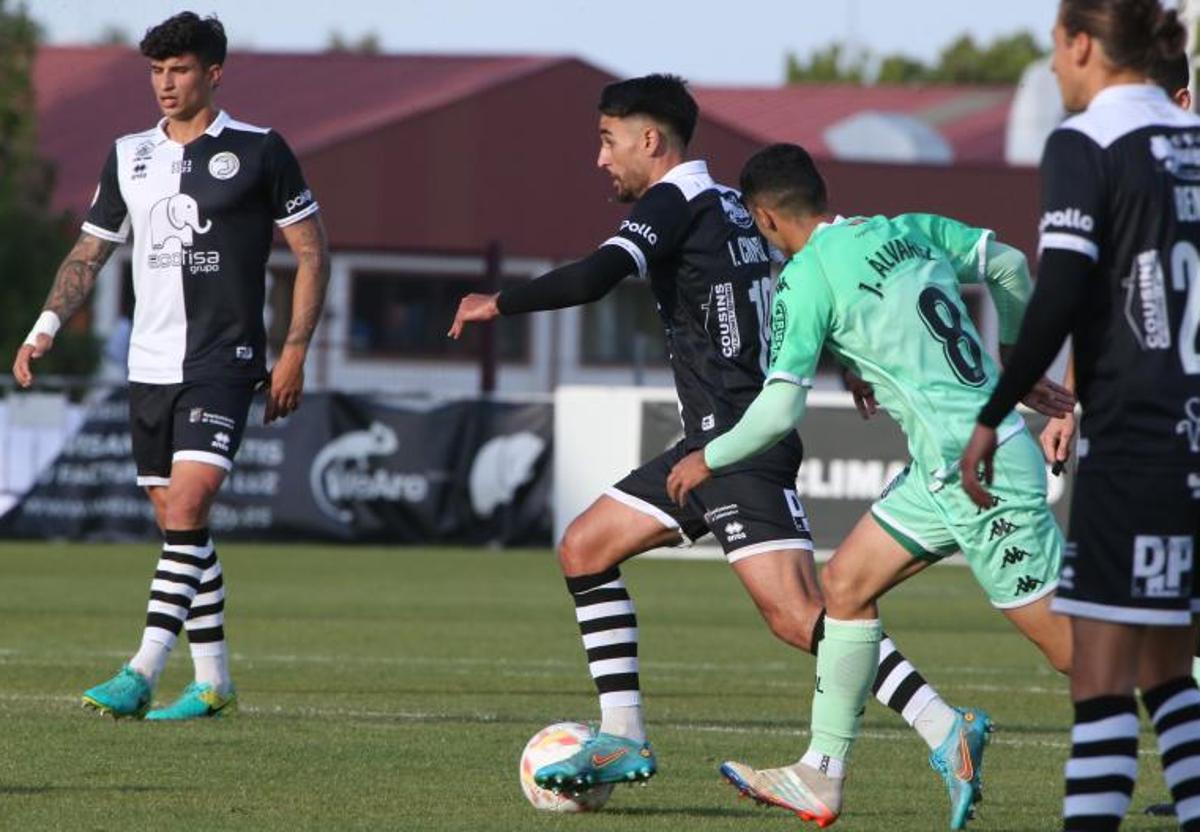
x=77 y=275
x=311 y=248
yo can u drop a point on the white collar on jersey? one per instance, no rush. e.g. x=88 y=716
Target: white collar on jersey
x=1129 y=92
x=690 y=177
x=214 y=129
x=821 y=226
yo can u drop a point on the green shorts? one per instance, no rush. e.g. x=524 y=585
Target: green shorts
x=1014 y=548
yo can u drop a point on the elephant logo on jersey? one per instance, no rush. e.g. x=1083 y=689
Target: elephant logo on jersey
x=342 y=472
x=1190 y=425
x=175 y=217
x=735 y=211
x=502 y=466
x=224 y=165
x=1179 y=154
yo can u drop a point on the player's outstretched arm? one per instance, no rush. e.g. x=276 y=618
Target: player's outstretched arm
x=310 y=247
x=574 y=284
x=1009 y=284
x=72 y=285
x=771 y=416
x=474 y=308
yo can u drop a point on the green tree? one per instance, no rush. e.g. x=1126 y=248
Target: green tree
x=33 y=240
x=113 y=35
x=832 y=64
x=963 y=61
x=901 y=69
x=368 y=44
x=1000 y=62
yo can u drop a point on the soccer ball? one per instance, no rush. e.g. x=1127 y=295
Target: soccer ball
x=549 y=745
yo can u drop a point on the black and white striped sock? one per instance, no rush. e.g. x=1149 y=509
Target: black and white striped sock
x=176 y=581
x=609 y=628
x=206 y=626
x=899 y=686
x=1174 y=708
x=1103 y=766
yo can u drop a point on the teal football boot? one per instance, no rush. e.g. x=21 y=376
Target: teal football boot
x=605 y=758
x=959 y=759
x=198 y=701
x=125 y=695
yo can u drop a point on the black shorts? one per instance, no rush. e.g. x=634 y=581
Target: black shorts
x=1130 y=555
x=193 y=421
x=749 y=509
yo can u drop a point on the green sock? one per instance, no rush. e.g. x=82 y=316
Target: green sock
x=846 y=667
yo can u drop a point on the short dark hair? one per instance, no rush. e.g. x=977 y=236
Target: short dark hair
x=663 y=98
x=787 y=176
x=186 y=33
x=1172 y=74
x=1135 y=34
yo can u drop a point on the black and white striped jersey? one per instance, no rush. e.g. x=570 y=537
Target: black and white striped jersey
x=1121 y=186
x=202 y=216
x=710 y=271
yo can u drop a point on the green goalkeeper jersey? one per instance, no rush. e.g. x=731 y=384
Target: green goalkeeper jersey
x=882 y=294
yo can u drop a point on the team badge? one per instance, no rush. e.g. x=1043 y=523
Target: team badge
x=735 y=211
x=224 y=165
x=1178 y=154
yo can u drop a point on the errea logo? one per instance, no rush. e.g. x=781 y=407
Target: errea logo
x=1069 y=218
x=642 y=229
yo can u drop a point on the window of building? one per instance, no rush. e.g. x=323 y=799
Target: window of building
x=406 y=315
x=623 y=328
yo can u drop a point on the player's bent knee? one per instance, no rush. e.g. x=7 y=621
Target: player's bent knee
x=790 y=628
x=843 y=593
x=187 y=507
x=578 y=550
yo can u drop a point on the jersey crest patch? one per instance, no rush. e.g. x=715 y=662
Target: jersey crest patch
x=224 y=165
x=1179 y=154
x=735 y=211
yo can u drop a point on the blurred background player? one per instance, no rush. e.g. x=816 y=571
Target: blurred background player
x=709 y=270
x=883 y=295
x=201 y=193
x=1120 y=271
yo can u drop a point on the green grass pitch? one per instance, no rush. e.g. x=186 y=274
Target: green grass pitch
x=394 y=689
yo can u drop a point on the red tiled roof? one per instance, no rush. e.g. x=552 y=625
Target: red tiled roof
x=972 y=119
x=88 y=96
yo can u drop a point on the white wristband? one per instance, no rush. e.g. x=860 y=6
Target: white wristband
x=47 y=324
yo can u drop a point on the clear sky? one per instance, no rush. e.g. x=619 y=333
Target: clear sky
x=708 y=41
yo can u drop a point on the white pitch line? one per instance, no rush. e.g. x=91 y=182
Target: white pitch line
x=308 y=712
x=19 y=657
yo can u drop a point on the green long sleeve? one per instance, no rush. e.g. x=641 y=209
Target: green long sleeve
x=1008 y=282
x=774 y=412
